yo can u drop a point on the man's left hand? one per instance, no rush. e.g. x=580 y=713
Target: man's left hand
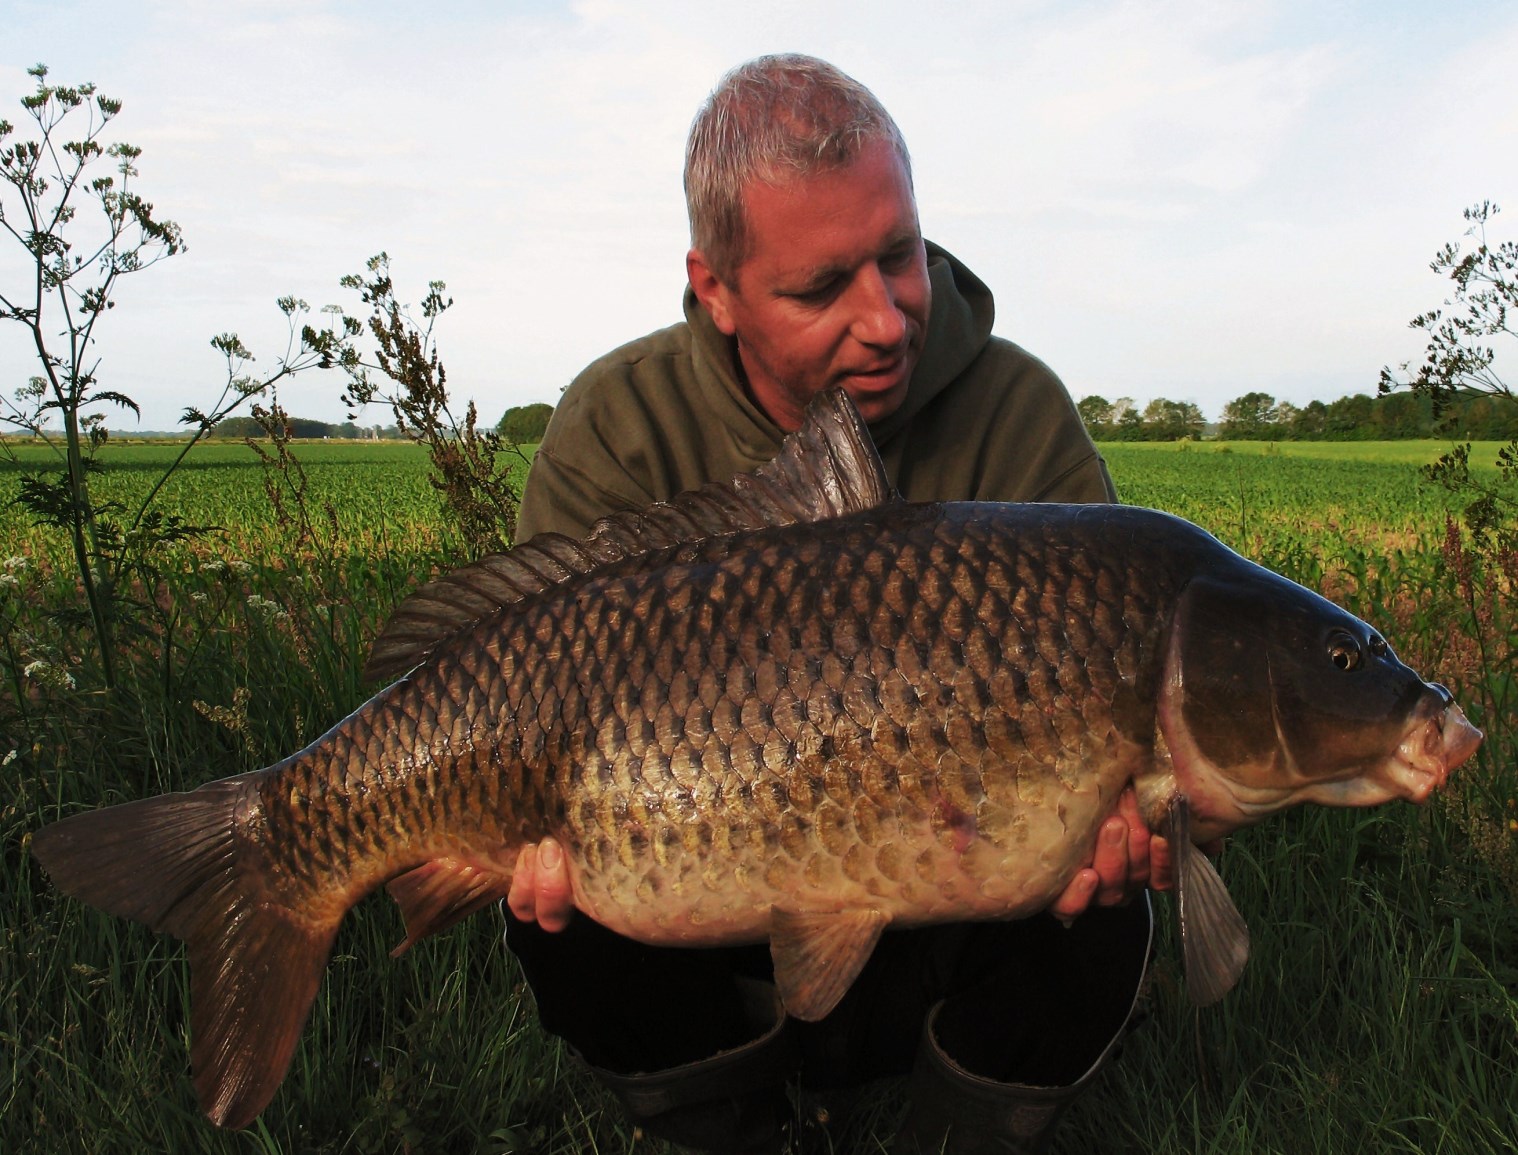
x=1127 y=859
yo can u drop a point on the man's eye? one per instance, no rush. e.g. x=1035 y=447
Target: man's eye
x=817 y=294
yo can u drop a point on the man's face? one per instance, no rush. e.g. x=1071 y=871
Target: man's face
x=834 y=290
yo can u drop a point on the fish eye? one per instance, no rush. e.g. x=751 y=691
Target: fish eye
x=1344 y=650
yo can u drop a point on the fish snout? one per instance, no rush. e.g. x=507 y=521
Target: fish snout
x=1432 y=748
x=1458 y=738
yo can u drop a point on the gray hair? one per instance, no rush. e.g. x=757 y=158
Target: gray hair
x=773 y=119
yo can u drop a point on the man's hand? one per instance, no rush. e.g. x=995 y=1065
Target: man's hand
x=540 y=890
x=1127 y=858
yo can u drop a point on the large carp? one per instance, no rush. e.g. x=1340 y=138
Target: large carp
x=788 y=707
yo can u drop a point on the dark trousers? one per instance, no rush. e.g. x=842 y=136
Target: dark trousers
x=1027 y=1001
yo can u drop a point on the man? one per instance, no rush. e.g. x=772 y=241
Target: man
x=808 y=269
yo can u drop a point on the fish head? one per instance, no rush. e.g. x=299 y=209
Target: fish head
x=1273 y=696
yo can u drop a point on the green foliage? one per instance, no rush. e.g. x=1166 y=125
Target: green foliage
x=1461 y=354
x=1252 y=417
x=1379 y=1011
x=73 y=267
x=1096 y=413
x=1161 y=420
x=525 y=424
x=1173 y=420
x=1460 y=369
x=472 y=467
x=302 y=428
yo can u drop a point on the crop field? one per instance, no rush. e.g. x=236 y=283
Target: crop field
x=1379 y=1012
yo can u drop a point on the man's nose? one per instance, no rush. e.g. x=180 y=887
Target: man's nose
x=877 y=321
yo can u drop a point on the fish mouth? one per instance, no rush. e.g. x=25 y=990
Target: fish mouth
x=1439 y=739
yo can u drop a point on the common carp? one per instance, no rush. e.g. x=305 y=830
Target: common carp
x=789 y=707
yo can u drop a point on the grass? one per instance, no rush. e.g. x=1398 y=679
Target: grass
x=1379 y=1012
x=1413 y=452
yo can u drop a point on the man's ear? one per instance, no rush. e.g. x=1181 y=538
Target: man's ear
x=710 y=291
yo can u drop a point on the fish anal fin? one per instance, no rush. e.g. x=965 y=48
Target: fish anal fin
x=178 y=864
x=1214 y=936
x=819 y=954
x=442 y=892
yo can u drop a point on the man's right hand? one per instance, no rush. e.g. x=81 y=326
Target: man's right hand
x=540 y=890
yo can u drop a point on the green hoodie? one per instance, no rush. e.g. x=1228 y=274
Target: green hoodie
x=983 y=420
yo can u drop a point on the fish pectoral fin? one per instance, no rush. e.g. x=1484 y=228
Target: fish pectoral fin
x=818 y=955
x=1214 y=936
x=440 y=893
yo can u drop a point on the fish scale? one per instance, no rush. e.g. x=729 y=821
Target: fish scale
x=773 y=712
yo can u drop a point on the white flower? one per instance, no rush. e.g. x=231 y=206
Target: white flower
x=12 y=564
x=270 y=611
x=9 y=758
x=10 y=581
x=197 y=597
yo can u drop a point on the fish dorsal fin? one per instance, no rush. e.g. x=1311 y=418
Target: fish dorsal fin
x=818 y=955
x=1214 y=937
x=827 y=468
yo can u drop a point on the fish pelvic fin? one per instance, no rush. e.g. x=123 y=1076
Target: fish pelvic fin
x=1214 y=936
x=173 y=863
x=818 y=955
x=827 y=468
x=440 y=893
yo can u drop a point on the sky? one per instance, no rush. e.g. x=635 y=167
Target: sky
x=1180 y=200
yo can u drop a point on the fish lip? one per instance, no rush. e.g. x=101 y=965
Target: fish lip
x=1438 y=739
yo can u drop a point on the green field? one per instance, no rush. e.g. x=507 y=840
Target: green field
x=1379 y=1012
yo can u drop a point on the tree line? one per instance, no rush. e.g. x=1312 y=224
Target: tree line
x=521 y=425
x=1258 y=416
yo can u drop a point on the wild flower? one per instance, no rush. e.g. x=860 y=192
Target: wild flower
x=14 y=564
x=9 y=581
x=270 y=611
x=48 y=675
x=9 y=758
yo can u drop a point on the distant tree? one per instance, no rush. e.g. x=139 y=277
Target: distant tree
x=1166 y=420
x=1249 y=418
x=1400 y=415
x=241 y=428
x=1349 y=418
x=1130 y=426
x=525 y=424
x=1310 y=421
x=1193 y=418
x=1096 y=414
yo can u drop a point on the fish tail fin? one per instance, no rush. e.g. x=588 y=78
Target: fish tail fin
x=173 y=863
